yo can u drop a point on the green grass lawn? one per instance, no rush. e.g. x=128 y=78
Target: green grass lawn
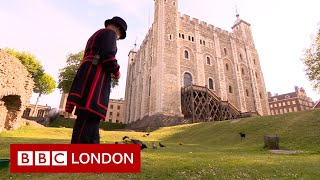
x=210 y=150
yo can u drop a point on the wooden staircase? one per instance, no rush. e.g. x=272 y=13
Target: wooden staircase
x=202 y=105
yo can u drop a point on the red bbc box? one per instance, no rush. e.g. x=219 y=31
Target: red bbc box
x=75 y=158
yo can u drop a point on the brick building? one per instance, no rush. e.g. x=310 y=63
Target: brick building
x=179 y=51
x=290 y=102
x=115 y=113
x=41 y=111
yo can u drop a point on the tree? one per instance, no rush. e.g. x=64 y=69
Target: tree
x=33 y=66
x=67 y=74
x=44 y=85
x=311 y=59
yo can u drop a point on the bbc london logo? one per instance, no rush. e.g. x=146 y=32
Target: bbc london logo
x=75 y=158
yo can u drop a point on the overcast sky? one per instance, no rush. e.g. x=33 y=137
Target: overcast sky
x=51 y=29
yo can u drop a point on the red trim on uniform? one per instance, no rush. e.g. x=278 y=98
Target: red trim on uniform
x=88 y=109
x=82 y=128
x=98 y=101
x=94 y=84
x=93 y=40
x=117 y=74
x=75 y=94
x=110 y=59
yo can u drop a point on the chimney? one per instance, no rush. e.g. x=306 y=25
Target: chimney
x=269 y=94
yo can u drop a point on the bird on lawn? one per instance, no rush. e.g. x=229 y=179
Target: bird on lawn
x=161 y=145
x=242 y=135
x=124 y=137
x=137 y=141
x=145 y=135
x=154 y=146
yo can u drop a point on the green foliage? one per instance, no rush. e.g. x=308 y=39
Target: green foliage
x=68 y=73
x=68 y=123
x=311 y=59
x=44 y=84
x=33 y=66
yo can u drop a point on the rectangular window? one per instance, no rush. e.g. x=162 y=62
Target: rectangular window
x=295 y=109
x=271 y=106
x=281 y=111
x=117 y=121
x=110 y=113
x=283 y=104
x=275 y=105
x=290 y=109
x=118 y=107
x=279 y=104
x=293 y=102
x=111 y=106
x=272 y=113
x=285 y=110
x=118 y=114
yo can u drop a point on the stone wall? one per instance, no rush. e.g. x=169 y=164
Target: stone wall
x=16 y=87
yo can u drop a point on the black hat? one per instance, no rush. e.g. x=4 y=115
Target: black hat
x=118 y=21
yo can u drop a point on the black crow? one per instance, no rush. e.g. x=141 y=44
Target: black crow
x=161 y=145
x=242 y=135
x=142 y=145
x=125 y=137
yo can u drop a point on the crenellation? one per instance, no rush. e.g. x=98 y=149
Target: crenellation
x=202 y=23
x=195 y=20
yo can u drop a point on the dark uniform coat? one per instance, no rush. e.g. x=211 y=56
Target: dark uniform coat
x=91 y=87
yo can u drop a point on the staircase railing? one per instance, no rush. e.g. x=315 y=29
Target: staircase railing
x=202 y=104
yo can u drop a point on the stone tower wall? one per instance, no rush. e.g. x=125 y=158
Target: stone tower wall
x=234 y=63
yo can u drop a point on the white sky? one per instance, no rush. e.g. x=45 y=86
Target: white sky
x=51 y=29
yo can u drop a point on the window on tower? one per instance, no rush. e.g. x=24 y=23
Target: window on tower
x=187 y=79
x=227 y=67
x=211 y=84
x=186 y=54
x=208 y=61
x=230 y=89
x=225 y=51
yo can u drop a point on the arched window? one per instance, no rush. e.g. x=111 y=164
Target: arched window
x=225 y=51
x=208 y=61
x=187 y=79
x=256 y=75
x=182 y=36
x=230 y=89
x=192 y=39
x=211 y=84
x=189 y=38
x=179 y=35
x=254 y=61
x=260 y=95
x=200 y=41
x=186 y=54
x=242 y=71
x=227 y=67
x=247 y=92
x=241 y=57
